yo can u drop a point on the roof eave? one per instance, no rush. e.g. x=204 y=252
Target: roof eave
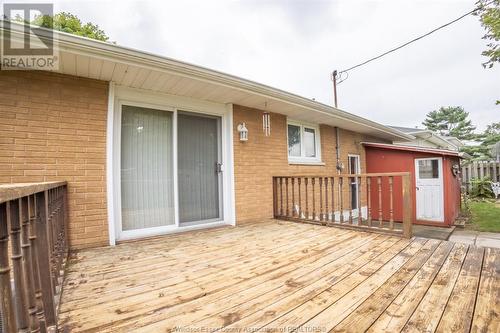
x=87 y=46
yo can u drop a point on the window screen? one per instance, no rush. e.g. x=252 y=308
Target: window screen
x=294 y=140
x=310 y=142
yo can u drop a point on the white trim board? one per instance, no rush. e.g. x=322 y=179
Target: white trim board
x=109 y=165
x=123 y=95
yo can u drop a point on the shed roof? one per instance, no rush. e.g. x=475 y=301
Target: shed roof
x=434 y=151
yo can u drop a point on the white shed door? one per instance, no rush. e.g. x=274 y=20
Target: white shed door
x=429 y=189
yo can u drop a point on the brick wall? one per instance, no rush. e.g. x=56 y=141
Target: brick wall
x=53 y=127
x=261 y=157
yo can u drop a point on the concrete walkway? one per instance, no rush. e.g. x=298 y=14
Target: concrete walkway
x=485 y=239
x=432 y=232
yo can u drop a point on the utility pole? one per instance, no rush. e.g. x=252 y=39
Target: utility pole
x=334 y=79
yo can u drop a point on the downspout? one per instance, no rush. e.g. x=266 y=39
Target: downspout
x=337 y=149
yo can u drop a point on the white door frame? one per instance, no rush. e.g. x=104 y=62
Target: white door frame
x=440 y=179
x=119 y=96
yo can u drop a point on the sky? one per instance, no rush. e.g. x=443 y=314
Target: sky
x=295 y=45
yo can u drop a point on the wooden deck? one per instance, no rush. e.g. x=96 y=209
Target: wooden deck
x=280 y=277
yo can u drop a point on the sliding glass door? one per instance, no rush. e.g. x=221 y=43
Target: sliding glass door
x=147 y=183
x=151 y=170
x=199 y=168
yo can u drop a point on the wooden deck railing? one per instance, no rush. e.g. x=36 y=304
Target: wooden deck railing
x=379 y=202
x=33 y=251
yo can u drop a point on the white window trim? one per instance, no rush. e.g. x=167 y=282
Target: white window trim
x=317 y=138
x=118 y=96
x=358 y=158
x=358 y=166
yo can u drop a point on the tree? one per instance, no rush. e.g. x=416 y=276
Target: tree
x=491 y=140
x=489 y=147
x=450 y=121
x=489 y=15
x=69 y=23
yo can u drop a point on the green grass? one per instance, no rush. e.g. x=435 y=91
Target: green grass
x=485 y=216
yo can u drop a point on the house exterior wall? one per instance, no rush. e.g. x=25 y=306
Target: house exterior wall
x=53 y=127
x=260 y=158
x=387 y=160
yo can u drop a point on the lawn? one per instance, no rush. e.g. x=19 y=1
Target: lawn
x=485 y=216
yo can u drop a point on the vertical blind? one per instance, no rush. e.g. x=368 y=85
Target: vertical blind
x=146 y=168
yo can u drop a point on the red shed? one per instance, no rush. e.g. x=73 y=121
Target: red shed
x=434 y=177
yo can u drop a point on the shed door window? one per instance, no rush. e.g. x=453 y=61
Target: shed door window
x=428 y=169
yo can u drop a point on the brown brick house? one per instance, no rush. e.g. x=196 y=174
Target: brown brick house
x=150 y=145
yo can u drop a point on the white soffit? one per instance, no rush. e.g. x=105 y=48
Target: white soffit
x=89 y=58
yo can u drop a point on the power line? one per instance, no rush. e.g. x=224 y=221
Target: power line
x=412 y=41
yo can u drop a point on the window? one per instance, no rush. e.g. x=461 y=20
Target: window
x=354 y=168
x=428 y=169
x=354 y=164
x=303 y=143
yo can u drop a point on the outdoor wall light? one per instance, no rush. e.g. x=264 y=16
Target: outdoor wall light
x=242 y=129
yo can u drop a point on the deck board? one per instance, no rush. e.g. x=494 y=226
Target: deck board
x=275 y=275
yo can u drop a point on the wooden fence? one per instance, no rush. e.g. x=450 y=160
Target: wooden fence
x=480 y=169
x=370 y=202
x=33 y=252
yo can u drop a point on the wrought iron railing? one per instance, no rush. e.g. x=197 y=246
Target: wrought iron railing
x=33 y=252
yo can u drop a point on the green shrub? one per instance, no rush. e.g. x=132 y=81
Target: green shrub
x=481 y=188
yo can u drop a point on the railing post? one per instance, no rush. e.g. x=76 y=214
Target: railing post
x=341 y=199
x=286 y=198
x=360 y=210
x=281 y=196
x=17 y=258
x=369 y=199
x=313 y=181
x=379 y=183
x=391 y=204
x=32 y=213
x=349 y=197
x=66 y=220
x=44 y=260
x=321 y=199
x=299 y=212
x=306 y=180
x=28 y=265
x=408 y=206
x=332 y=184
x=327 y=213
x=7 y=307
x=275 y=199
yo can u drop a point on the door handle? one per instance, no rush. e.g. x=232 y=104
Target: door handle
x=218 y=167
x=417 y=188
